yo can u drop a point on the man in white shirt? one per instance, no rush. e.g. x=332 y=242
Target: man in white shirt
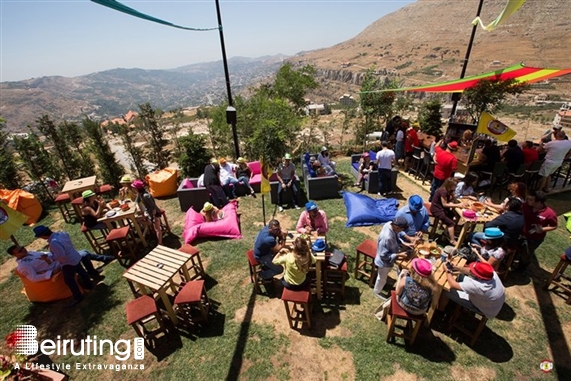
x=385 y=163
x=228 y=176
x=555 y=152
x=34 y=265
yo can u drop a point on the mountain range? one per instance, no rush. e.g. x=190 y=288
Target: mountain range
x=420 y=43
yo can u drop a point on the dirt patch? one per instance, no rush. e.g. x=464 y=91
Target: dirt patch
x=271 y=312
x=368 y=231
x=480 y=373
x=401 y=375
x=6 y=269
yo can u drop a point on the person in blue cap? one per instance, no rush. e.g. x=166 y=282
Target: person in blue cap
x=417 y=217
x=492 y=251
x=312 y=220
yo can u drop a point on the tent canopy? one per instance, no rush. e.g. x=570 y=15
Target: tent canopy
x=518 y=72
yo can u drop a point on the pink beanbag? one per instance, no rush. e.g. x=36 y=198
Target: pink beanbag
x=196 y=227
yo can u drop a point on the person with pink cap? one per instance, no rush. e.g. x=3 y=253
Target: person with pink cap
x=414 y=288
x=479 y=289
x=153 y=211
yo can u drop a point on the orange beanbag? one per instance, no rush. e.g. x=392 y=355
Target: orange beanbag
x=45 y=291
x=162 y=183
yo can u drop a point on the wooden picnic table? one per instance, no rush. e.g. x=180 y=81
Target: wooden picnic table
x=320 y=257
x=122 y=216
x=486 y=215
x=156 y=272
x=77 y=186
x=439 y=274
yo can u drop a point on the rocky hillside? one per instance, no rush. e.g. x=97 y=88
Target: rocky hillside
x=426 y=42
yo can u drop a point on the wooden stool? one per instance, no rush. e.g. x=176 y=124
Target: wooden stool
x=140 y=312
x=255 y=269
x=97 y=241
x=196 y=265
x=299 y=299
x=193 y=303
x=63 y=202
x=77 y=203
x=105 y=189
x=413 y=322
x=506 y=263
x=367 y=266
x=478 y=316
x=334 y=279
x=558 y=274
x=123 y=244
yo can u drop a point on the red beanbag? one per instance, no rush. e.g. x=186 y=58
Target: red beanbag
x=196 y=227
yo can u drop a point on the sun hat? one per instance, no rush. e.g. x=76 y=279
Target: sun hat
x=138 y=184
x=88 y=193
x=493 y=233
x=416 y=125
x=241 y=160
x=213 y=161
x=41 y=230
x=287 y=156
x=207 y=206
x=319 y=246
x=365 y=154
x=482 y=270
x=557 y=126
x=469 y=214
x=415 y=202
x=310 y=206
x=453 y=145
x=422 y=266
x=400 y=222
x=125 y=179
x=323 y=148
x=222 y=160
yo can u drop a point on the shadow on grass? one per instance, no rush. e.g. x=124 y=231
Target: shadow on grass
x=238 y=356
x=431 y=347
x=214 y=328
x=506 y=313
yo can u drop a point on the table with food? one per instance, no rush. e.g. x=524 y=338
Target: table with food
x=122 y=213
x=472 y=213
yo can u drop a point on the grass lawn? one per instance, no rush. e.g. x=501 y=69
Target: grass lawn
x=248 y=337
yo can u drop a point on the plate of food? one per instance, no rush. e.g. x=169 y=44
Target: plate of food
x=117 y=209
x=110 y=213
x=435 y=251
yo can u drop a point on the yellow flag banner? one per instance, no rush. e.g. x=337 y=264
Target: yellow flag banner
x=266 y=173
x=10 y=221
x=511 y=7
x=489 y=125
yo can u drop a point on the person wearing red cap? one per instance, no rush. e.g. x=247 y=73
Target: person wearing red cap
x=446 y=165
x=479 y=290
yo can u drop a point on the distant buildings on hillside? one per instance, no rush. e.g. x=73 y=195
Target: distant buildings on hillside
x=563 y=116
x=125 y=119
x=346 y=100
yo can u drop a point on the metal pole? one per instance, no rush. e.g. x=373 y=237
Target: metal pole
x=468 y=51
x=227 y=74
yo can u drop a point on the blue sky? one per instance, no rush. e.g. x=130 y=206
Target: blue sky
x=78 y=37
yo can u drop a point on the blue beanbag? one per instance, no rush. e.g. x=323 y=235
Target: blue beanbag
x=365 y=211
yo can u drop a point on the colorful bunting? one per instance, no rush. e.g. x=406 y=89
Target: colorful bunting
x=511 y=7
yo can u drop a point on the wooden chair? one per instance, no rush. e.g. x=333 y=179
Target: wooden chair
x=427 y=166
x=415 y=161
x=63 y=202
x=196 y=270
x=435 y=222
x=123 y=244
x=476 y=316
x=366 y=267
x=334 y=279
x=192 y=303
x=531 y=175
x=141 y=312
x=410 y=329
x=558 y=275
x=496 y=176
x=506 y=263
x=516 y=176
x=255 y=269
x=297 y=308
x=97 y=238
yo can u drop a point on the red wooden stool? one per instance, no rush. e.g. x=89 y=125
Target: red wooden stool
x=367 y=266
x=77 y=203
x=299 y=310
x=123 y=244
x=413 y=322
x=557 y=276
x=63 y=202
x=196 y=265
x=140 y=312
x=97 y=239
x=255 y=269
x=193 y=303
